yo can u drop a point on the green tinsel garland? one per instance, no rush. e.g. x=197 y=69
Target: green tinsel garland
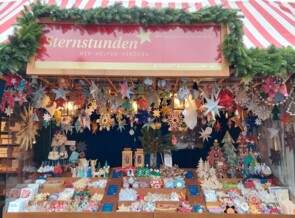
x=23 y=45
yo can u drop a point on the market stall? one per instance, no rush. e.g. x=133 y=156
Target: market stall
x=149 y=112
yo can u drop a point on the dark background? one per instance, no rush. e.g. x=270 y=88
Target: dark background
x=108 y=145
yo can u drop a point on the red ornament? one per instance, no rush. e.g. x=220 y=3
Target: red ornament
x=226 y=98
x=142 y=103
x=60 y=102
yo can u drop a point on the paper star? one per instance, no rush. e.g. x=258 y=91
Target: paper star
x=39 y=93
x=12 y=80
x=20 y=97
x=204 y=135
x=60 y=93
x=273 y=132
x=212 y=106
x=8 y=111
x=156 y=113
x=47 y=117
x=125 y=90
x=67 y=127
x=217 y=127
x=121 y=126
x=144 y=36
x=237 y=121
x=60 y=102
x=78 y=125
x=149 y=123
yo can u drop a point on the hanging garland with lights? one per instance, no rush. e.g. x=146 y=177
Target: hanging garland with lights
x=15 y=54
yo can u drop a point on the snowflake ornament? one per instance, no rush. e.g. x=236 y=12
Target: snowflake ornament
x=175 y=121
x=105 y=121
x=121 y=126
x=258 y=122
x=8 y=111
x=81 y=146
x=262 y=112
x=148 y=81
x=205 y=134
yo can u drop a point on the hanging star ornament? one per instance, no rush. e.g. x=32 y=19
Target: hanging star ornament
x=149 y=123
x=156 y=113
x=205 y=134
x=47 y=117
x=237 y=121
x=125 y=90
x=258 y=122
x=217 y=127
x=212 y=106
x=60 y=93
x=67 y=127
x=8 y=111
x=273 y=132
x=144 y=36
x=121 y=126
x=21 y=97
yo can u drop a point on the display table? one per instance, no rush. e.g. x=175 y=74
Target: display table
x=114 y=201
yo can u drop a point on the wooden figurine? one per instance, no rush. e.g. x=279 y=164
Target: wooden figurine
x=127 y=157
x=139 y=158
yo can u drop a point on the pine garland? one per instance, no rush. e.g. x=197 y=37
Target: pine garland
x=23 y=45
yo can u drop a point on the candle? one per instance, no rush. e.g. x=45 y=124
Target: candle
x=275 y=144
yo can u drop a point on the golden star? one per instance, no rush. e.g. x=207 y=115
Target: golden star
x=144 y=36
x=156 y=113
x=237 y=121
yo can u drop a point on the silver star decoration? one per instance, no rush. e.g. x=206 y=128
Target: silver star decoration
x=212 y=106
x=8 y=111
x=67 y=127
x=93 y=89
x=60 y=93
x=204 y=135
x=121 y=126
x=39 y=93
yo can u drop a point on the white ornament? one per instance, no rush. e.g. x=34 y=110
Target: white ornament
x=47 y=117
x=205 y=135
x=212 y=106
